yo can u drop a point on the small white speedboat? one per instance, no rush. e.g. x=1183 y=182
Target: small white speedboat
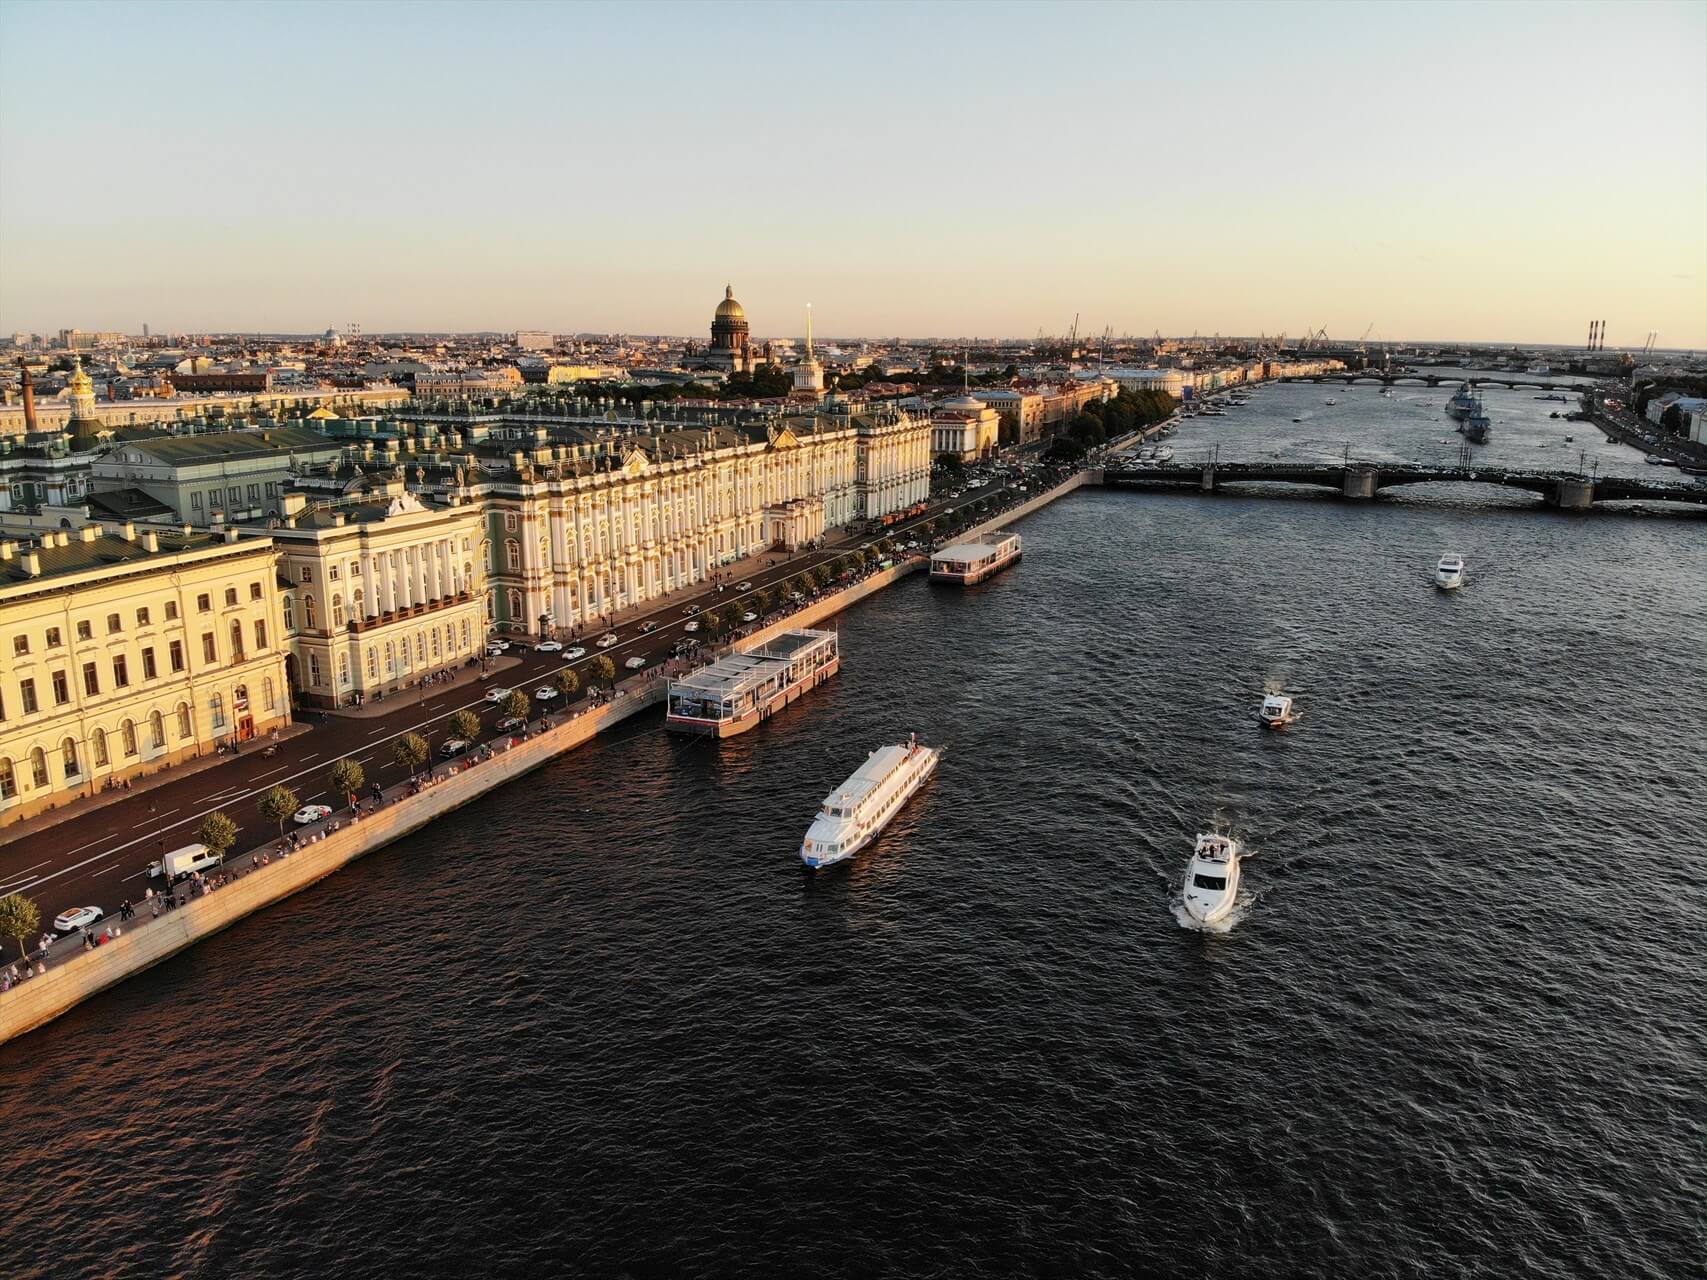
x=1212 y=878
x=1449 y=573
x=1277 y=712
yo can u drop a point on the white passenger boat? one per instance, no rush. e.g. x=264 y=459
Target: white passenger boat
x=741 y=690
x=1212 y=878
x=1449 y=573
x=1165 y=453
x=854 y=813
x=1277 y=712
x=966 y=563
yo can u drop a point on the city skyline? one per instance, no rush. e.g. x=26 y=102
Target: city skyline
x=1451 y=173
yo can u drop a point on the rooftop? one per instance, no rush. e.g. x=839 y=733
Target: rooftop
x=182 y=450
x=105 y=549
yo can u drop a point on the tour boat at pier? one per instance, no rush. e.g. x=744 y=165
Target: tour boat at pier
x=968 y=562
x=1277 y=712
x=1212 y=878
x=1449 y=572
x=739 y=691
x=855 y=812
x=1165 y=453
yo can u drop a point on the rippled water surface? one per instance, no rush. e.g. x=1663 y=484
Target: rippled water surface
x=600 y=1024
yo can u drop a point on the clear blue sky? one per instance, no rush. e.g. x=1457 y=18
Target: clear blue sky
x=1482 y=171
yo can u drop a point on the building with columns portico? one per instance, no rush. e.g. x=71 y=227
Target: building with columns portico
x=379 y=589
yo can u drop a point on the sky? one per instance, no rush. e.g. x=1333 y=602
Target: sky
x=1481 y=172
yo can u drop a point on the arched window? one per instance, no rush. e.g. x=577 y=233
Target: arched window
x=99 y=738
x=468 y=576
x=289 y=612
x=465 y=633
x=185 y=728
x=390 y=658
x=156 y=730
x=356 y=599
x=308 y=612
x=68 y=757
x=344 y=669
x=127 y=732
x=38 y=766
x=372 y=662
x=216 y=711
x=420 y=647
x=435 y=644
x=337 y=611
x=237 y=640
x=515 y=604
x=8 y=782
x=267 y=689
x=513 y=555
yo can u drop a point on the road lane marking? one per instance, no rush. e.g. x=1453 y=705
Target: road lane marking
x=315 y=756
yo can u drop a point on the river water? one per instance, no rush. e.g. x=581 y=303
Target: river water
x=600 y=1024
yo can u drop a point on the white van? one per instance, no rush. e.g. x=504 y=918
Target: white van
x=184 y=862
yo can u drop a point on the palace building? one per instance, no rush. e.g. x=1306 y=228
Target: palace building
x=126 y=652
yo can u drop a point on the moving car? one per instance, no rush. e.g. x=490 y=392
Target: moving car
x=635 y=663
x=497 y=695
x=546 y=692
x=691 y=610
x=576 y=652
x=549 y=646
x=509 y=724
x=454 y=747
x=75 y=918
x=608 y=639
x=183 y=862
x=691 y=625
x=646 y=628
x=745 y=586
x=310 y=813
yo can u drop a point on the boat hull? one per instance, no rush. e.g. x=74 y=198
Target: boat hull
x=757 y=715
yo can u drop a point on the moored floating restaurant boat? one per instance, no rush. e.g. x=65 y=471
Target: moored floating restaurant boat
x=969 y=562
x=739 y=691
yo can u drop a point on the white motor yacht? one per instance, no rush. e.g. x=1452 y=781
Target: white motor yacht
x=1449 y=573
x=1277 y=712
x=1212 y=878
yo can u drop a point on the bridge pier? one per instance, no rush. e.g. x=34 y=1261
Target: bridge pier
x=1574 y=495
x=1359 y=482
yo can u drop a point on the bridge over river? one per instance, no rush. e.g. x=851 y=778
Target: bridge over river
x=1435 y=379
x=1570 y=491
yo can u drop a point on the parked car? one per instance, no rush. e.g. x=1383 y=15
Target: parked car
x=75 y=918
x=749 y=616
x=608 y=639
x=635 y=663
x=496 y=650
x=453 y=747
x=496 y=696
x=509 y=724
x=311 y=813
x=549 y=646
x=546 y=692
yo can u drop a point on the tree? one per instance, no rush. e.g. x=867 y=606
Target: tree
x=730 y=616
x=278 y=804
x=217 y=833
x=465 y=725
x=411 y=751
x=347 y=776
x=18 y=919
x=819 y=574
x=762 y=602
x=518 y=704
x=568 y=684
x=1671 y=419
x=602 y=669
x=952 y=466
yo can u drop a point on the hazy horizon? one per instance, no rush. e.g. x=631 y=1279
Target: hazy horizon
x=1499 y=173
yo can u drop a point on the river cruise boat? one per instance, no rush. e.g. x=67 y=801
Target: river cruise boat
x=742 y=690
x=855 y=812
x=1449 y=572
x=1277 y=712
x=1461 y=405
x=1212 y=878
x=968 y=562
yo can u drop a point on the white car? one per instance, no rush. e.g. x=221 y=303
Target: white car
x=608 y=639
x=647 y=628
x=496 y=696
x=692 y=624
x=569 y=655
x=635 y=663
x=546 y=692
x=745 y=586
x=549 y=646
x=310 y=813
x=75 y=918
x=496 y=650
x=749 y=616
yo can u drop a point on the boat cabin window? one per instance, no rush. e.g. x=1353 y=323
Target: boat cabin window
x=1202 y=881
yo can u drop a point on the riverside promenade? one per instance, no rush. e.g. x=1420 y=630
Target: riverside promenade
x=69 y=973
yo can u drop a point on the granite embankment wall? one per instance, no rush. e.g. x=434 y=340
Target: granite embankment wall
x=1087 y=476
x=146 y=942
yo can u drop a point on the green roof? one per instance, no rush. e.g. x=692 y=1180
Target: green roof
x=108 y=549
x=258 y=442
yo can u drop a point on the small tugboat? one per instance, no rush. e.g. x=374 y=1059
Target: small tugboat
x=854 y=813
x=1277 y=712
x=1212 y=878
x=1449 y=572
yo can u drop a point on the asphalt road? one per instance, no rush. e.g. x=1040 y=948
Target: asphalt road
x=99 y=857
